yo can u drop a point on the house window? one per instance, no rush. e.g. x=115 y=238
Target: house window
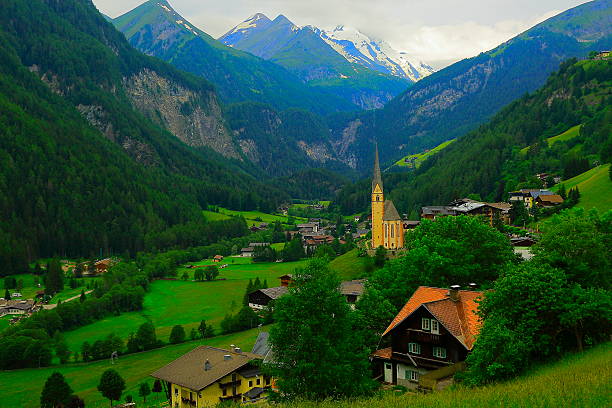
x=425 y=323
x=267 y=380
x=412 y=375
x=414 y=348
x=387 y=366
x=258 y=381
x=439 y=352
x=224 y=392
x=250 y=383
x=175 y=390
x=435 y=326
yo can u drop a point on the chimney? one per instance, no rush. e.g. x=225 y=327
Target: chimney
x=453 y=293
x=207 y=366
x=227 y=357
x=237 y=349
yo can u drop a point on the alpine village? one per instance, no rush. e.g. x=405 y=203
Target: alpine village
x=299 y=217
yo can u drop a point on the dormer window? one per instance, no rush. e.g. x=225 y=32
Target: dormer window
x=430 y=325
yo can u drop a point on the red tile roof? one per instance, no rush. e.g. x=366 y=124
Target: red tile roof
x=459 y=317
x=383 y=353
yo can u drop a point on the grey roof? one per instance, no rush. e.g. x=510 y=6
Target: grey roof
x=254 y=392
x=275 y=293
x=391 y=213
x=188 y=370
x=354 y=287
x=468 y=207
x=261 y=345
x=435 y=210
x=377 y=178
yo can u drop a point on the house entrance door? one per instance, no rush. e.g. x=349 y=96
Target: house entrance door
x=388 y=373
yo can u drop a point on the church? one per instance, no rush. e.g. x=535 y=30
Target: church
x=387 y=225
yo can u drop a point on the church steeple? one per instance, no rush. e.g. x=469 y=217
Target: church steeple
x=377 y=178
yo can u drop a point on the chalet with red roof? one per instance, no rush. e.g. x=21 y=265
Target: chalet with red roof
x=430 y=337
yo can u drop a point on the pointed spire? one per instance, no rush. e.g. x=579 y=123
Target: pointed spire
x=377 y=179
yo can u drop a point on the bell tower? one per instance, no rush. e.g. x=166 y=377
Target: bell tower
x=378 y=205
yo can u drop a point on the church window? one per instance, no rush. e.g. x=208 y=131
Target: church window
x=377 y=198
x=386 y=230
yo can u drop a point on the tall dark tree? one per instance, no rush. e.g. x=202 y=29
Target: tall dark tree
x=314 y=336
x=177 y=335
x=56 y=392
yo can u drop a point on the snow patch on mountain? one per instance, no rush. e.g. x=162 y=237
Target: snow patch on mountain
x=373 y=53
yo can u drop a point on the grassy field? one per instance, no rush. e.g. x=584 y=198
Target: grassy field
x=421 y=157
x=595 y=188
x=21 y=388
x=349 y=266
x=30 y=288
x=215 y=216
x=577 y=381
x=567 y=135
x=257 y=217
x=186 y=302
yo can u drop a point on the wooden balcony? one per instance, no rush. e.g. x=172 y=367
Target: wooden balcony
x=230 y=384
x=187 y=401
x=421 y=336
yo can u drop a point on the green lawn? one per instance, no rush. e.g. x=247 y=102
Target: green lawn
x=595 y=188
x=30 y=288
x=186 y=302
x=21 y=388
x=421 y=157
x=349 y=266
x=257 y=217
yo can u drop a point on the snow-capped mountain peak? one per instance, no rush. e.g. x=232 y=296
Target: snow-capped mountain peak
x=374 y=53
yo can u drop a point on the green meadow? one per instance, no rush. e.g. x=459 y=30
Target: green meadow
x=171 y=302
x=30 y=287
x=257 y=217
x=84 y=377
x=595 y=188
x=421 y=157
x=350 y=266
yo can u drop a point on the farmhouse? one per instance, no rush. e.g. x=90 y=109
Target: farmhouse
x=549 y=200
x=352 y=290
x=528 y=195
x=430 y=337
x=16 y=307
x=260 y=299
x=207 y=376
x=308 y=227
x=286 y=279
x=101 y=267
x=433 y=212
x=466 y=206
x=218 y=258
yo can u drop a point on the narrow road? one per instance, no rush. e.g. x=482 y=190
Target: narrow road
x=54 y=305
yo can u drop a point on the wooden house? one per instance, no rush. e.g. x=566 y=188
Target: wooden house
x=430 y=336
x=262 y=298
x=549 y=200
x=218 y=258
x=285 y=280
x=207 y=376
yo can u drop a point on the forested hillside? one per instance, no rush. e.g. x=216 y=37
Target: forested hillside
x=457 y=99
x=82 y=171
x=507 y=153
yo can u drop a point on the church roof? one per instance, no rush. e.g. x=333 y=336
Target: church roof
x=391 y=213
x=377 y=178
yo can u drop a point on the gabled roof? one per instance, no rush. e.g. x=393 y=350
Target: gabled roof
x=274 y=293
x=189 y=370
x=354 y=287
x=377 y=178
x=551 y=198
x=390 y=212
x=458 y=317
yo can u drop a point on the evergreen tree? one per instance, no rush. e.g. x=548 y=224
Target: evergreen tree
x=54 y=279
x=145 y=337
x=7 y=295
x=313 y=336
x=157 y=386
x=83 y=297
x=211 y=272
x=177 y=335
x=111 y=385
x=56 y=392
x=62 y=351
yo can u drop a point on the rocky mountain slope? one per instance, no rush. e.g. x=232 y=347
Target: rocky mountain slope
x=156 y=29
x=303 y=51
x=458 y=98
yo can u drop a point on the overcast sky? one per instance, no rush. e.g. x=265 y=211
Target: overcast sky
x=433 y=30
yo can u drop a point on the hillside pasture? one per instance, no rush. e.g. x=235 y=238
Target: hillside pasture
x=171 y=302
x=595 y=188
x=255 y=218
x=21 y=388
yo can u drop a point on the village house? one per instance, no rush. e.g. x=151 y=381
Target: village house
x=101 y=267
x=263 y=299
x=309 y=227
x=527 y=195
x=207 y=376
x=218 y=258
x=17 y=307
x=430 y=337
x=466 y=206
x=248 y=251
x=549 y=200
x=433 y=212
